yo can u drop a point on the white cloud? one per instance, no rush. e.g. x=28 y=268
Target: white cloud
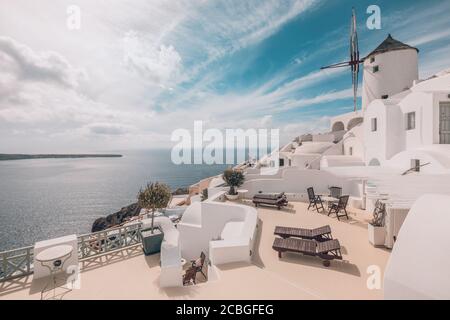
x=29 y=65
x=430 y=37
x=45 y=95
x=435 y=61
x=160 y=65
x=214 y=29
x=324 y=97
x=173 y=50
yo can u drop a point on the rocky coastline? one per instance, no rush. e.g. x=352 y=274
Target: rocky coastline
x=124 y=214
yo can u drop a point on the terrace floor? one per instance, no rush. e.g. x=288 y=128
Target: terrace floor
x=128 y=274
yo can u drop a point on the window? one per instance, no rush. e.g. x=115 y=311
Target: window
x=376 y=69
x=350 y=151
x=281 y=162
x=374 y=124
x=372 y=59
x=384 y=97
x=410 y=120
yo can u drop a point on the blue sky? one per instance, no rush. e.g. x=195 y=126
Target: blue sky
x=133 y=73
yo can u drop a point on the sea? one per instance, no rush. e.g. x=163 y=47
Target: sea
x=46 y=198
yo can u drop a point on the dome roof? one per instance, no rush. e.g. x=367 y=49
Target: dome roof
x=390 y=44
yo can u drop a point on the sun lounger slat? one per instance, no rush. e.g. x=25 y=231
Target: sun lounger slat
x=327 y=250
x=319 y=234
x=328 y=246
x=295 y=245
x=320 y=231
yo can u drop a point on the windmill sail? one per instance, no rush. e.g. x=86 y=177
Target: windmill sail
x=354 y=59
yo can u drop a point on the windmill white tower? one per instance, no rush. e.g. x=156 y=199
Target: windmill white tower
x=389 y=69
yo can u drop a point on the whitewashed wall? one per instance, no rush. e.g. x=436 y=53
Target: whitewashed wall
x=302 y=160
x=171 y=269
x=354 y=139
x=418 y=267
x=299 y=181
x=204 y=222
x=389 y=139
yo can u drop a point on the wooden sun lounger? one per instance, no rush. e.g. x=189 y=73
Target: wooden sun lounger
x=328 y=250
x=319 y=234
x=278 y=200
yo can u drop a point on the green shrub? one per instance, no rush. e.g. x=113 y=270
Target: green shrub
x=154 y=196
x=234 y=179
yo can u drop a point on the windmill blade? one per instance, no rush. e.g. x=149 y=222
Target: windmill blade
x=337 y=65
x=355 y=83
x=354 y=58
x=354 y=61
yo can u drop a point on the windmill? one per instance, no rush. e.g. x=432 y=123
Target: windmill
x=354 y=59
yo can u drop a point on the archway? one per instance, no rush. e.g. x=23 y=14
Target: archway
x=374 y=162
x=338 y=126
x=354 y=122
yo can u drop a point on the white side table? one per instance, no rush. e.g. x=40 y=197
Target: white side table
x=53 y=259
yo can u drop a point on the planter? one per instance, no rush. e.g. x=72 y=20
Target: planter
x=377 y=235
x=151 y=242
x=232 y=196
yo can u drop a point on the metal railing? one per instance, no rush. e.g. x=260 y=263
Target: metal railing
x=97 y=243
x=19 y=262
x=16 y=263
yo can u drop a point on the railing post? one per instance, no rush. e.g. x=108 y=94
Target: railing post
x=28 y=259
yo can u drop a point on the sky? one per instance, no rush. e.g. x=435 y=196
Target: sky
x=136 y=71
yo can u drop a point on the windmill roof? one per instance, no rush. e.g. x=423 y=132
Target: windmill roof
x=390 y=44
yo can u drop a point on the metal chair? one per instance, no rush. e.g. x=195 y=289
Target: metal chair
x=199 y=263
x=314 y=201
x=340 y=206
x=190 y=274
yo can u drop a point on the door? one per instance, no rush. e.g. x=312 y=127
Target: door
x=444 y=123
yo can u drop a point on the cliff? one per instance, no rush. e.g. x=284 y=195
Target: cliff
x=116 y=218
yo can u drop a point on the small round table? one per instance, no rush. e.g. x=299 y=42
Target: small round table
x=329 y=199
x=53 y=259
x=241 y=193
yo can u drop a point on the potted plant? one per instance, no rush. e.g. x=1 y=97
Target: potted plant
x=204 y=194
x=153 y=196
x=376 y=227
x=234 y=179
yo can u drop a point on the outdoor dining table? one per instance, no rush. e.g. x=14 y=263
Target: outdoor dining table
x=53 y=259
x=328 y=199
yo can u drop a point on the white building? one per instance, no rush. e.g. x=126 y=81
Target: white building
x=402 y=118
x=404 y=122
